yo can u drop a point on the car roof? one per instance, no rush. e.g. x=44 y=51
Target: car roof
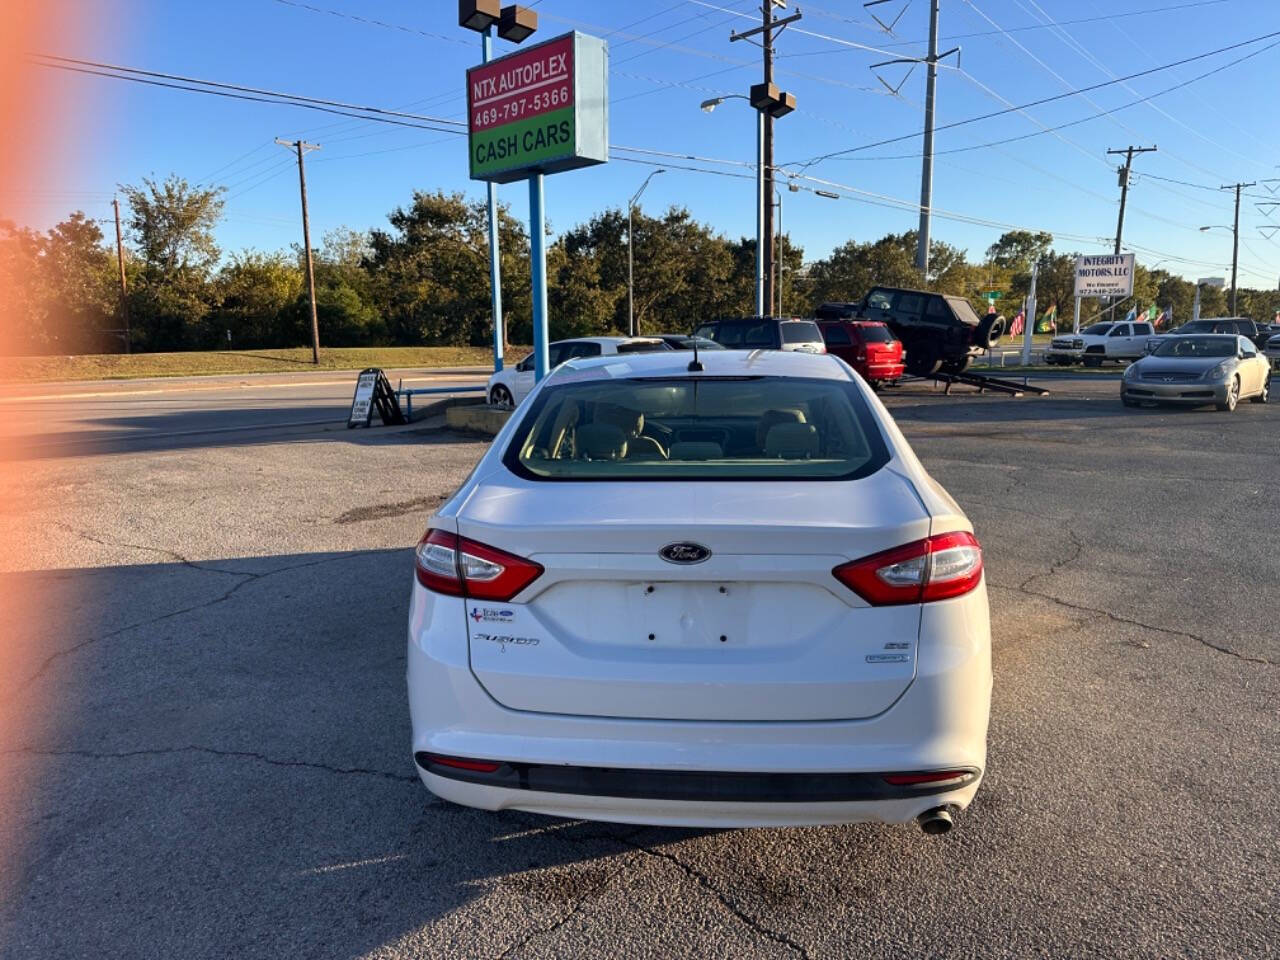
x=601 y=340
x=717 y=363
x=855 y=321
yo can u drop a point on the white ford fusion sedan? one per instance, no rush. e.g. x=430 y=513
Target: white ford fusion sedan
x=719 y=592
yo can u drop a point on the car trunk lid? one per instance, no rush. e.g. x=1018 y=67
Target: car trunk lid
x=757 y=630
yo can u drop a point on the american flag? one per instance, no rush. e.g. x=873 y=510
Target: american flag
x=1016 y=327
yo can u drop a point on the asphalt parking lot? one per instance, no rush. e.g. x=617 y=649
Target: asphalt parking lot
x=209 y=743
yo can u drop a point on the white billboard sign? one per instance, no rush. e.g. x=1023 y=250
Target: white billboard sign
x=1110 y=275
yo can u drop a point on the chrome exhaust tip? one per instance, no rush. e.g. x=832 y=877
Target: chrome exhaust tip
x=936 y=821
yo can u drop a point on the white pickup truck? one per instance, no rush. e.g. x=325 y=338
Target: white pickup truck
x=1122 y=340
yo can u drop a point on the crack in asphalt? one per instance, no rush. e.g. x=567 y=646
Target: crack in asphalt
x=1057 y=565
x=193 y=564
x=627 y=839
x=248 y=579
x=703 y=881
x=1099 y=613
x=212 y=751
x=1078 y=549
x=572 y=912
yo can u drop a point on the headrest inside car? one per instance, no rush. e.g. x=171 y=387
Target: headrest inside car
x=792 y=441
x=772 y=418
x=630 y=422
x=601 y=441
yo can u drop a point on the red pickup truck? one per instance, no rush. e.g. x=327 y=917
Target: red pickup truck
x=866 y=345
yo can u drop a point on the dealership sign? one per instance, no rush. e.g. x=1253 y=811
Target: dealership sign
x=542 y=110
x=1105 y=276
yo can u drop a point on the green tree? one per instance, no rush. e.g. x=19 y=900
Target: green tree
x=59 y=288
x=171 y=225
x=578 y=303
x=255 y=291
x=1017 y=250
x=430 y=273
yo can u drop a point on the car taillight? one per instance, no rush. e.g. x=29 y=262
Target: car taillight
x=941 y=566
x=458 y=567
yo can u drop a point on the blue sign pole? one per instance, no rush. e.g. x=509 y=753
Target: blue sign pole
x=538 y=268
x=495 y=264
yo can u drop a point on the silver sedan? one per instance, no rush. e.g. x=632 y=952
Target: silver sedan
x=1221 y=369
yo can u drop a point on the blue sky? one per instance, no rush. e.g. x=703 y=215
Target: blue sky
x=666 y=57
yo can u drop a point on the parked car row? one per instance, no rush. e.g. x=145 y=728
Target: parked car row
x=868 y=346
x=1127 y=341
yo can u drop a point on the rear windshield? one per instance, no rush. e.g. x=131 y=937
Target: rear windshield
x=963 y=310
x=750 y=334
x=643 y=346
x=800 y=331
x=875 y=333
x=1197 y=347
x=595 y=427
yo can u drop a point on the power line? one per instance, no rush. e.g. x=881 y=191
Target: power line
x=274 y=94
x=372 y=22
x=395 y=118
x=1056 y=97
x=1034 y=26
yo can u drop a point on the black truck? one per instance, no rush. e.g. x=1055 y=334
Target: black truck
x=940 y=332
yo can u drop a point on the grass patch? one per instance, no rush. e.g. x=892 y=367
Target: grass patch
x=113 y=366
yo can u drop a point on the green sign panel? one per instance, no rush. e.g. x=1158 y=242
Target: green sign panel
x=540 y=110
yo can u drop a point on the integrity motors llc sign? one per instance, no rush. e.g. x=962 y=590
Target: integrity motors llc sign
x=1110 y=275
x=542 y=110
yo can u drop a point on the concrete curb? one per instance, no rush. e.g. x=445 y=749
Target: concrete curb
x=475 y=416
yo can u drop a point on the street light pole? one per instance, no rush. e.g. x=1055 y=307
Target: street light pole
x=631 y=206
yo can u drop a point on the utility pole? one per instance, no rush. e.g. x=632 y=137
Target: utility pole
x=772 y=103
x=124 y=287
x=301 y=146
x=769 y=250
x=930 y=104
x=1128 y=153
x=1235 y=240
x=926 y=171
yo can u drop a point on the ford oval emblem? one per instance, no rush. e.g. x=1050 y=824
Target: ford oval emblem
x=684 y=553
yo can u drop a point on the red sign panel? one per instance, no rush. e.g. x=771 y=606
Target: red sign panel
x=522 y=86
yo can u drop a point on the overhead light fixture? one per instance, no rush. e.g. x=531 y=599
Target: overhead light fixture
x=517 y=23
x=828 y=194
x=478 y=15
x=709 y=105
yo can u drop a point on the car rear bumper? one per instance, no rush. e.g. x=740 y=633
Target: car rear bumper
x=1192 y=394
x=882 y=371
x=703 y=773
